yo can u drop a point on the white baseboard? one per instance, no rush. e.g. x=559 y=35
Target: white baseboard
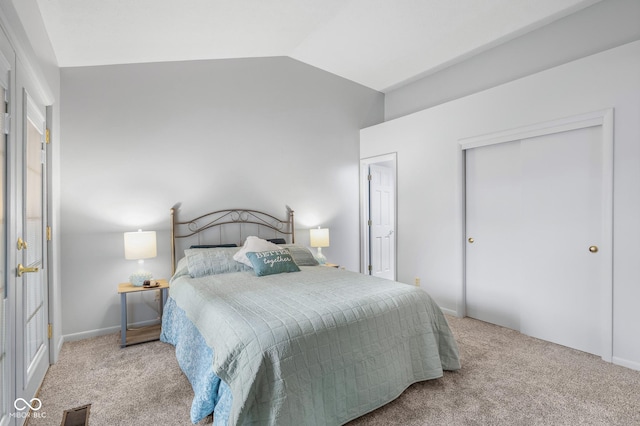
x=102 y=331
x=626 y=363
x=451 y=312
x=90 y=333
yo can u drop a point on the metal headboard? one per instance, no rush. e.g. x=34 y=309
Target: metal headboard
x=236 y=217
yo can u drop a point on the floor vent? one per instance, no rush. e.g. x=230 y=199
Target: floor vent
x=78 y=416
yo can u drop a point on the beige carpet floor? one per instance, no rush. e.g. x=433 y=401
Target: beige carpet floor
x=506 y=379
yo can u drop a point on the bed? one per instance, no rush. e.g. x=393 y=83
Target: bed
x=298 y=344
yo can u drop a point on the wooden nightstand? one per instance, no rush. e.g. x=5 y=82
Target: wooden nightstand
x=140 y=334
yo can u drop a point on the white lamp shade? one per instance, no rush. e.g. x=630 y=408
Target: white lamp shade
x=140 y=245
x=319 y=237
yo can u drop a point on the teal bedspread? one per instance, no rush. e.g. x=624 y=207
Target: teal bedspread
x=321 y=346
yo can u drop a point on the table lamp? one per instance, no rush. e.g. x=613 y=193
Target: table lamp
x=319 y=238
x=139 y=246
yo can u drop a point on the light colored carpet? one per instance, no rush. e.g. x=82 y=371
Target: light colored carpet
x=506 y=379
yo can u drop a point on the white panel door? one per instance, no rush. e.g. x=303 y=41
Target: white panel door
x=534 y=210
x=32 y=341
x=382 y=216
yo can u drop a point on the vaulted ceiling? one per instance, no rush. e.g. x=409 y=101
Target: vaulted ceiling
x=380 y=44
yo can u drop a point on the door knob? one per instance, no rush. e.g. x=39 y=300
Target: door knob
x=471 y=240
x=22 y=244
x=21 y=269
x=593 y=249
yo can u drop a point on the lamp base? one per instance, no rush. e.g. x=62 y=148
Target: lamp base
x=320 y=257
x=137 y=279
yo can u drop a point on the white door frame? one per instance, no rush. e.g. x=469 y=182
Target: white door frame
x=364 y=209
x=8 y=375
x=602 y=118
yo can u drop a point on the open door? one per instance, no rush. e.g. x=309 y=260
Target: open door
x=24 y=301
x=32 y=339
x=5 y=323
x=379 y=216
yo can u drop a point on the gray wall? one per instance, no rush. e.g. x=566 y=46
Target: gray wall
x=606 y=24
x=259 y=133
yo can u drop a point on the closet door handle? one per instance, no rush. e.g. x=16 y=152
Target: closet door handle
x=471 y=240
x=593 y=249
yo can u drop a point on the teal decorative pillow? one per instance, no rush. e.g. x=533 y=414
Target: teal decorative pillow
x=272 y=262
x=213 y=261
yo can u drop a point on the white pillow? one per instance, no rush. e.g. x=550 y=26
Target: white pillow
x=253 y=244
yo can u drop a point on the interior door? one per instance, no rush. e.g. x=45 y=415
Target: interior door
x=32 y=311
x=382 y=217
x=5 y=356
x=534 y=227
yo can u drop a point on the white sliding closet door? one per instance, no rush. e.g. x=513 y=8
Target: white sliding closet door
x=493 y=225
x=538 y=254
x=562 y=219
